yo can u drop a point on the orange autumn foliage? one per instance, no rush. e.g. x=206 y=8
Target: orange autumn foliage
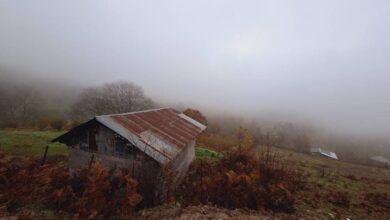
x=196 y=115
x=241 y=180
x=244 y=138
x=218 y=141
x=93 y=193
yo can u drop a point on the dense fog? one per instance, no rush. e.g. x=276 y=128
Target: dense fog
x=318 y=64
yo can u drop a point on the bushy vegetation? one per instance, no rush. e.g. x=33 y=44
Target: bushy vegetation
x=92 y=193
x=346 y=190
x=57 y=124
x=379 y=201
x=241 y=179
x=340 y=199
x=214 y=139
x=196 y=115
x=42 y=124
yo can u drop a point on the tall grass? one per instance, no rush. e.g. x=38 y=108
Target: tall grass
x=242 y=179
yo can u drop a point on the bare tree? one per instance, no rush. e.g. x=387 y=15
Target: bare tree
x=111 y=98
x=18 y=105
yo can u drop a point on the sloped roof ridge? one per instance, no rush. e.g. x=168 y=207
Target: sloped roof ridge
x=136 y=112
x=131 y=113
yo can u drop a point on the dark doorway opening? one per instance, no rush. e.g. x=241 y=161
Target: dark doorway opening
x=92 y=140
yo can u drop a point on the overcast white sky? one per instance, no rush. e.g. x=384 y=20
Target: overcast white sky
x=327 y=61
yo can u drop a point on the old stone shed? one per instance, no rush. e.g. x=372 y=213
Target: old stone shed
x=146 y=143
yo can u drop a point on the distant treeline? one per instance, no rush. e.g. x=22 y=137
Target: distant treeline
x=27 y=106
x=55 y=106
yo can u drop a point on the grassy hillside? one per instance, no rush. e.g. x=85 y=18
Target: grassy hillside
x=333 y=190
x=339 y=189
x=30 y=143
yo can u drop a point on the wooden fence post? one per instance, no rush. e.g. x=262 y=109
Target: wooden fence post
x=44 y=155
x=91 y=161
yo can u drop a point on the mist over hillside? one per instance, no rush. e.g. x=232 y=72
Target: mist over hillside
x=53 y=99
x=173 y=109
x=262 y=62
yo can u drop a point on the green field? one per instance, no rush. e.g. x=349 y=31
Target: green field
x=33 y=143
x=201 y=152
x=30 y=143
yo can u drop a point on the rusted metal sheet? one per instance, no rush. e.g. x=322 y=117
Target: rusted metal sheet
x=160 y=133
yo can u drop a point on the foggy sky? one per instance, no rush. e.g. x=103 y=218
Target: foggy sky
x=326 y=62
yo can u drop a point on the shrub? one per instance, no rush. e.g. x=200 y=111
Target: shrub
x=92 y=193
x=42 y=123
x=217 y=142
x=225 y=142
x=57 y=124
x=12 y=125
x=240 y=179
x=380 y=199
x=244 y=138
x=74 y=123
x=340 y=199
x=196 y=115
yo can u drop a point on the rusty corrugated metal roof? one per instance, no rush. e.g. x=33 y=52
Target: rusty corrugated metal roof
x=160 y=133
